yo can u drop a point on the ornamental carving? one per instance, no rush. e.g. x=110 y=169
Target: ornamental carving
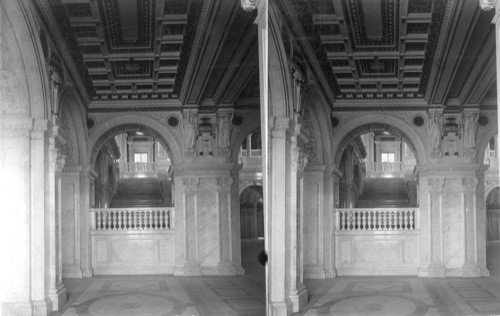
x=469 y=184
x=470 y=132
x=224 y=183
x=311 y=147
x=189 y=136
x=435 y=184
x=249 y=5
x=60 y=161
x=191 y=184
x=487 y=5
x=435 y=134
x=299 y=160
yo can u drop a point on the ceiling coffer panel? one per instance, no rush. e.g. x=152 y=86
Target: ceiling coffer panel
x=374 y=48
x=130 y=48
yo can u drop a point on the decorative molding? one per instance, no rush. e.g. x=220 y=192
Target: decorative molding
x=435 y=184
x=191 y=184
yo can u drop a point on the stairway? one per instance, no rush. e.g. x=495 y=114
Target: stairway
x=133 y=192
x=384 y=193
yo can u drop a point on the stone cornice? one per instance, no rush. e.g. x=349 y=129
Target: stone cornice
x=71 y=169
x=446 y=169
x=202 y=171
x=315 y=168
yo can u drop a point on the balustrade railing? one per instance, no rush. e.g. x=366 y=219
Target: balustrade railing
x=132 y=218
x=131 y=169
x=387 y=167
x=376 y=219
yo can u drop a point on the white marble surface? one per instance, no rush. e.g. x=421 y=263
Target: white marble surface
x=133 y=252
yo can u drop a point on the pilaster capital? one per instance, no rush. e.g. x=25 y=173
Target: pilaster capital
x=469 y=185
x=191 y=184
x=435 y=184
x=281 y=127
x=224 y=184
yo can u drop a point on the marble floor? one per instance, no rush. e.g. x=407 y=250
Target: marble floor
x=403 y=296
x=165 y=295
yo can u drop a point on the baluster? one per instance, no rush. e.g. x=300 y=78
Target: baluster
x=387 y=220
x=97 y=217
x=379 y=223
x=137 y=219
x=358 y=220
x=141 y=218
x=410 y=215
x=404 y=220
x=155 y=220
x=108 y=220
x=344 y=220
x=120 y=220
x=365 y=213
x=348 y=220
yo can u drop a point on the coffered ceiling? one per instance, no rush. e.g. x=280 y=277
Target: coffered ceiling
x=190 y=52
x=437 y=51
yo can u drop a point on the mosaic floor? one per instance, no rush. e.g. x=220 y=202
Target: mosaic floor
x=165 y=295
x=403 y=296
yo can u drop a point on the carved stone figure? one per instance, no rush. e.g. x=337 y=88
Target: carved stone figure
x=224 y=131
x=189 y=131
x=470 y=129
x=487 y=5
x=206 y=144
x=435 y=132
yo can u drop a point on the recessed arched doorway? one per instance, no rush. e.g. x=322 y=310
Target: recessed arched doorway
x=493 y=232
x=252 y=227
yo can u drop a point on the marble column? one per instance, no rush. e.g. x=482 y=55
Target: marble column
x=71 y=221
x=25 y=237
x=470 y=267
x=207 y=224
x=431 y=239
x=87 y=180
x=57 y=291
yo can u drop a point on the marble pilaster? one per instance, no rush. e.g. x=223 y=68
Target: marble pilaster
x=470 y=267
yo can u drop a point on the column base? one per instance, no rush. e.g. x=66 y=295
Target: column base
x=314 y=273
x=485 y=272
x=471 y=270
x=435 y=270
x=240 y=271
x=279 y=308
x=188 y=270
x=17 y=308
x=87 y=273
x=298 y=298
x=58 y=297
x=41 y=307
x=72 y=273
x=330 y=273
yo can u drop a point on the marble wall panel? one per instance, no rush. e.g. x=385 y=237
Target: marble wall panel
x=452 y=230
x=68 y=223
x=208 y=227
x=377 y=253
x=311 y=214
x=132 y=250
x=135 y=252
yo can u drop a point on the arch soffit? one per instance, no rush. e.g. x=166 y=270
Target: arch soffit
x=251 y=127
x=102 y=133
x=280 y=91
x=317 y=106
x=481 y=148
x=71 y=104
x=362 y=124
x=32 y=82
x=488 y=190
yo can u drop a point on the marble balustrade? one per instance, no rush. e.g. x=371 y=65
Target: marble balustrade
x=133 y=240
x=377 y=241
x=377 y=219
x=132 y=218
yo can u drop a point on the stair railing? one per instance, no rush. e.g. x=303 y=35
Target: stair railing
x=114 y=219
x=377 y=219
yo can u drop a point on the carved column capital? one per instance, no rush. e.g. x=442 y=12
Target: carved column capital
x=435 y=184
x=299 y=160
x=191 y=184
x=249 y=5
x=224 y=183
x=469 y=185
x=487 y=5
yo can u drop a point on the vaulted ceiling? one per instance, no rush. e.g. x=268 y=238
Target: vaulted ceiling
x=434 y=51
x=190 y=52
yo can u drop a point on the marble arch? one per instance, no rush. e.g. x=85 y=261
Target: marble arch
x=362 y=123
x=97 y=135
x=73 y=110
x=22 y=62
x=250 y=127
x=315 y=103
